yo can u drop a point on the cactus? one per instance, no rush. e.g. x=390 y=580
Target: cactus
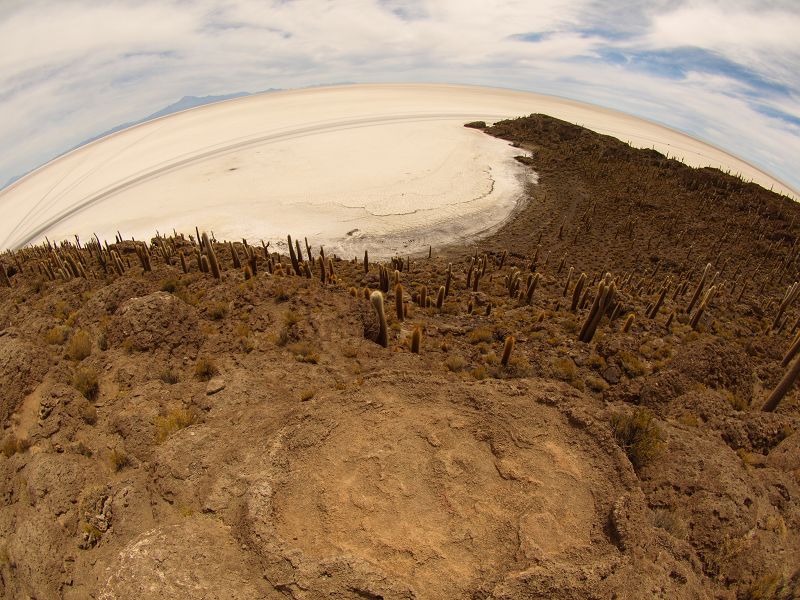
x=668 y=324
x=507 y=348
x=376 y=298
x=789 y=297
x=416 y=339
x=628 y=322
x=702 y=307
x=531 y=288
x=4 y=276
x=213 y=264
x=440 y=298
x=248 y=272
x=699 y=289
x=366 y=262
x=398 y=302
x=569 y=280
x=784 y=385
x=423 y=295
x=237 y=263
x=606 y=291
x=657 y=306
x=183 y=263
x=576 y=293
x=293 y=257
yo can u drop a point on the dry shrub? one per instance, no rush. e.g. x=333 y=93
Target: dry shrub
x=639 y=436
x=169 y=285
x=455 y=363
x=56 y=336
x=772 y=587
x=217 y=310
x=205 y=368
x=631 y=363
x=173 y=421
x=168 y=376
x=304 y=352
x=85 y=381
x=564 y=368
x=119 y=460
x=480 y=335
x=88 y=413
x=671 y=522
x=12 y=445
x=307 y=395
x=79 y=346
x=480 y=373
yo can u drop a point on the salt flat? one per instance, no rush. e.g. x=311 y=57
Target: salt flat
x=389 y=167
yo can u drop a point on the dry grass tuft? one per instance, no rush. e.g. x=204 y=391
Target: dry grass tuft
x=205 y=368
x=79 y=346
x=304 y=352
x=56 y=336
x=455 y=363
x=119 y=460
x=639 y=436
x=173 y=421
x=85 y=381
x=12 y=445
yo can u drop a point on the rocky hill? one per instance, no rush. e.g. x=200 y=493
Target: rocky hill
x=575 y=406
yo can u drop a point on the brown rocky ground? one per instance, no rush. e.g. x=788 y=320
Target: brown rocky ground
x=249 y=439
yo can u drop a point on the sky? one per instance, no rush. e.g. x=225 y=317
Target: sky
x=725 y=72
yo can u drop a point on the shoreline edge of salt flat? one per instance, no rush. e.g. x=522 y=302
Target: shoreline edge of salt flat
x=388 y=167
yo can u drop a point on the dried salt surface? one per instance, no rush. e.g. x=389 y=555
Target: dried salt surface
x=385 y=167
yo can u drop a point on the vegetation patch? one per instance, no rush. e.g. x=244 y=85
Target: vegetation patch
x=639 y=436
x=173 y=421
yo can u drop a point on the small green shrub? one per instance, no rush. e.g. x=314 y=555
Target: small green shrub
x=639 y=436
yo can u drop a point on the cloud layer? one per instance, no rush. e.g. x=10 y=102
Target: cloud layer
x=726 y=72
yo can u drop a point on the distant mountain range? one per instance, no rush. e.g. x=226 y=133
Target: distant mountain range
x=183 y=104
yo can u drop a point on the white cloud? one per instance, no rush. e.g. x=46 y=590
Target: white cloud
x=69 y=70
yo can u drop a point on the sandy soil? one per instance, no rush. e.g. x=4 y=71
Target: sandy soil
x=248 y=438
x=392 y=160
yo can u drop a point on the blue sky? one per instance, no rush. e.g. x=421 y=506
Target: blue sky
x=725 y=72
